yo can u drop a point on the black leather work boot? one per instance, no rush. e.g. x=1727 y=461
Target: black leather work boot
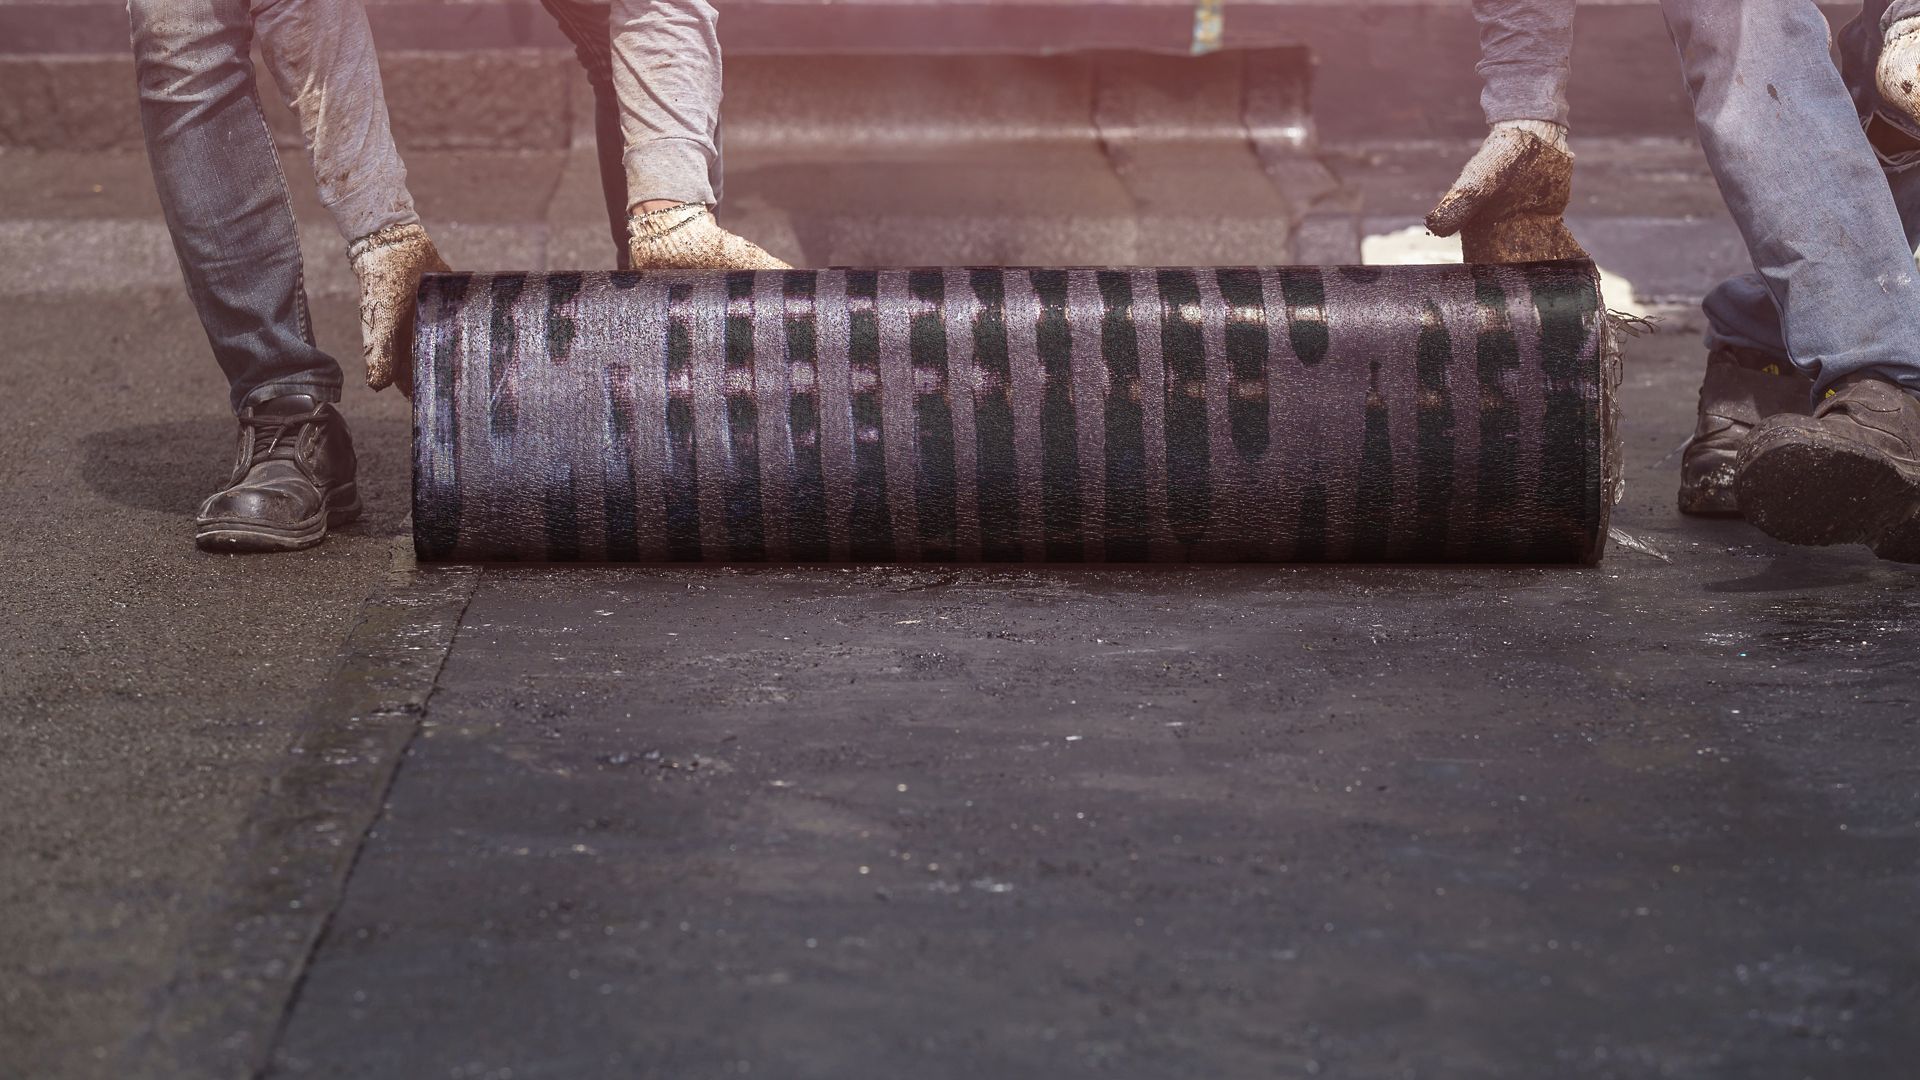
x=292 y=478
x=1741 y=389
x=1850 y=473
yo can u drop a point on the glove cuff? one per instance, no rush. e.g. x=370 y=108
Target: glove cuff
x=1554 y=135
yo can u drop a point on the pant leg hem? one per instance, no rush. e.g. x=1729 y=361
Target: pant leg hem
x=677 y=169
x=364 y=213
x=324 y=391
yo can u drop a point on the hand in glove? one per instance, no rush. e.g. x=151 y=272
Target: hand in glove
x=1507 y=203
x=1899 y=73
x=389 y=264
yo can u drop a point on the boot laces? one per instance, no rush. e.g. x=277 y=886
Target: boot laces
x=273 y=428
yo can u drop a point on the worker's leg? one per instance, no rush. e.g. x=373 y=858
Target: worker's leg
x=226 y=205
x=1807 y=190
x=666 y=70
x=587 y=24
x=1805 y=183
x=224 y=197
x=1741 y=312
x=322 y=57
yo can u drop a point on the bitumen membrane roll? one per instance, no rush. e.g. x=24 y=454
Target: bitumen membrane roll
x=1240 y=414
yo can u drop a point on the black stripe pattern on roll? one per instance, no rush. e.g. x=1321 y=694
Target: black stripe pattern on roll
x=1304 y=289
x=746 y=529
x=1570 y=480
x=1497 y=359
x=871 y=521
x=561 y=326
x=934 y=493
x=1247 y=356
x=561 y=512
x=807 y=536
x=1183 y=351
x=1433 y=431
x=997 y=478
x=436 y=519
x=1059 y=427
x=562 y=516
x=621 y=496
x=1373 y=507
x=1127 y=520
x=503 y=343
x=535 y=441
x=682 y=483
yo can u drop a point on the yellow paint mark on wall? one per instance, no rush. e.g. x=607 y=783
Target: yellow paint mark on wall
x=1209 y=24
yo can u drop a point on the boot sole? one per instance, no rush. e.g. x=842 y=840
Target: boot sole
x=1806 y=487
x=248 y=537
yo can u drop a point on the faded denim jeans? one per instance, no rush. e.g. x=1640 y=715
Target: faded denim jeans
x=655 y=69
x=1830 y=218
x=220 y=183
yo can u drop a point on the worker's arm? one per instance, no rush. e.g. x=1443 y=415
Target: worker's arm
x=1526 y=49
x=1507 y=203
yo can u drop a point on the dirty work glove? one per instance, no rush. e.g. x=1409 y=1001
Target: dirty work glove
x=686 y=237
x=1506 y=206
x=1899 y=73
x=389 y=264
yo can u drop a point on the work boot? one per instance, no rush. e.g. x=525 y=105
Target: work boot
x=388 y=265
x=292 y=479
x=686 y=237
x=1741 y=389
x=1850 y=473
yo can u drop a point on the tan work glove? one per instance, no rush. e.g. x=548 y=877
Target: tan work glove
x=1507 y=203
x=1899 y=74
x=686 y=237
x=389 y=264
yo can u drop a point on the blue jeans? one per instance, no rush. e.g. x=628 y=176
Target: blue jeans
x=1830 y=221
x=224 y=196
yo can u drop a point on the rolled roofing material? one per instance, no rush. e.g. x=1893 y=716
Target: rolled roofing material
x=1401 y=414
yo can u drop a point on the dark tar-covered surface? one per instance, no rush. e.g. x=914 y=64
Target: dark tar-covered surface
x=1651 y=817
x=1657 y=817
x=1232 y=823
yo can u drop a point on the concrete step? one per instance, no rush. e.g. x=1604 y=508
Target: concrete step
x=829 y=26
x=1316 y=126
x=497 y=74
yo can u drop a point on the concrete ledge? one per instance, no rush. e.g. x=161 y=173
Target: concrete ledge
x=516 y=100
x=497 y=74
x=787 y=26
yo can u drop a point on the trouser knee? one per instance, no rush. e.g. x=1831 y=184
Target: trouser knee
x=190 y=52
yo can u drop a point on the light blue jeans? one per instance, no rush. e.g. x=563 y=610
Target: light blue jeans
x=1829 y=220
